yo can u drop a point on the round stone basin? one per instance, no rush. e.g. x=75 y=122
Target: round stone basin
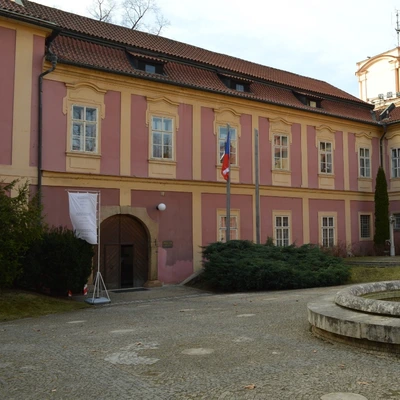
x=373 y=298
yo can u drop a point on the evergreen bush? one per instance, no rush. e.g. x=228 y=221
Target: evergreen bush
x=58 y=263
x=20 y=226
x=240 y=265
x=381 y=210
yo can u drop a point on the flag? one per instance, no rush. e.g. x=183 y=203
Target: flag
x=225 y=158
x=82 y=211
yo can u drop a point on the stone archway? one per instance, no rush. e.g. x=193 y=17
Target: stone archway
x=128 y=235
x=124 y=252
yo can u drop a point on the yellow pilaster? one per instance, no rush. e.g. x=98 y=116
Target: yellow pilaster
x=196 y=142
x=347 y=219
x=306 y=220
x=125 y=196
x=197 y=230
x=254 y=126
x=346 y=160
x=22 y=99
x=125 y=141
x=304 y=157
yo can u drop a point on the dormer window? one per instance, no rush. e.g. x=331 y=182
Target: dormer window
x=150 y=68
x=239 y=87
x=148 y=64
x=309 y=99
x=236 y=83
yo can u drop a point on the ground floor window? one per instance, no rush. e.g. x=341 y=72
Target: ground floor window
x=365 y=226
x=328 y=230
x=233 y=226
x=282 y=230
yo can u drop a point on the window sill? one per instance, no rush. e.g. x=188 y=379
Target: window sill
x=326 y=174
x=81 y=154
x=161 y=161
x=281 y=171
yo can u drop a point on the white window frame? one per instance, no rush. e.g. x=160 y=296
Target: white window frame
x=280 y=228
x=360 y=224
x=84 y=123
x=395 y=162
x=396 y=221
x=222 y=135
x=327 y=232
x=278 y=163
x=364 y=162
x=325 y=154
x=234 y=225
x=163 y=133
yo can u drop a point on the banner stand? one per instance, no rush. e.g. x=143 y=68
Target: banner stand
x=99 y=289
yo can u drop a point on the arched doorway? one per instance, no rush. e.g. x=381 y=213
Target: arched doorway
x=124 y=252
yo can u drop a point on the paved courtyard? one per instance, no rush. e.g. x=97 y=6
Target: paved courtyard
x=179 y=343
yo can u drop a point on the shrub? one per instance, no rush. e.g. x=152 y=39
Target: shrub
x=381 y=210
x=21 y=225
x=58 y=263
x=240 y=265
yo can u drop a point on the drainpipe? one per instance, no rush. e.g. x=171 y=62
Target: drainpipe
x=53 y=60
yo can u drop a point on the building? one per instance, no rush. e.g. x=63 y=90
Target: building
x=87 y=105
x=379 y=78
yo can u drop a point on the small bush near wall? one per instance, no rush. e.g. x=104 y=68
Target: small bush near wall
x=59 y=262
x=243 y=266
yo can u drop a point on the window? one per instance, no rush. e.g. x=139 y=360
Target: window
x=325 y=157
x=365 y=226
x=312 y=103
x=222 y=135
x=396 y=221
x=84 y=128
x=150 y=68
x=282 y=230
x=239 y=87
x=281 y=159
x=365 y=162
x=395 y=163
x=162 y=135
x=234 y=231
x=328 y=231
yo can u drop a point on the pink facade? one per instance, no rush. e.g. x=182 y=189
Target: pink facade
x=210 y=204
x=175 y=225
x=327 y=206
x=312 y=158
x=37 y=65
x=265 y=152
x=295 y=156
x=208 y=145
x=353 y=162
x=291 y=205
x=54 y=126
x=246 y=150
x=111 y=134
x=139 y=137
x=56 y=207
x=184 y=143
x=361 y=247
x=338 y=164
x=7 y=76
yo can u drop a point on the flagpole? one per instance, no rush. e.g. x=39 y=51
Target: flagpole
x=257 y=183
x=228 y=195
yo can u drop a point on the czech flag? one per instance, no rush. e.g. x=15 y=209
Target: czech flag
x=225 y=158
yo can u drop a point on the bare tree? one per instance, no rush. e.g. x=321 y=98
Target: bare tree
x=103 y=10
x=144 y=15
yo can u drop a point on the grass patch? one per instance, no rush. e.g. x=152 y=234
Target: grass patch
x=15 y=304
x=363 y=274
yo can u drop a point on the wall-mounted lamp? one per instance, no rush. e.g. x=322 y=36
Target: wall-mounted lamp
x=161 y=207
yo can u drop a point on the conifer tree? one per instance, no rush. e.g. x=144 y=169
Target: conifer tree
x=381 y=210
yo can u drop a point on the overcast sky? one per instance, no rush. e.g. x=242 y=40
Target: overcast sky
x=316 y=38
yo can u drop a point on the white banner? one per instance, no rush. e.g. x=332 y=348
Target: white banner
x=82 y=211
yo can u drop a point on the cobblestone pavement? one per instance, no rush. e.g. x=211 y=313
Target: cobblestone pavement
x=179 y=343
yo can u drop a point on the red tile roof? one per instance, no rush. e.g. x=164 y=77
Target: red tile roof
x=185 y=64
